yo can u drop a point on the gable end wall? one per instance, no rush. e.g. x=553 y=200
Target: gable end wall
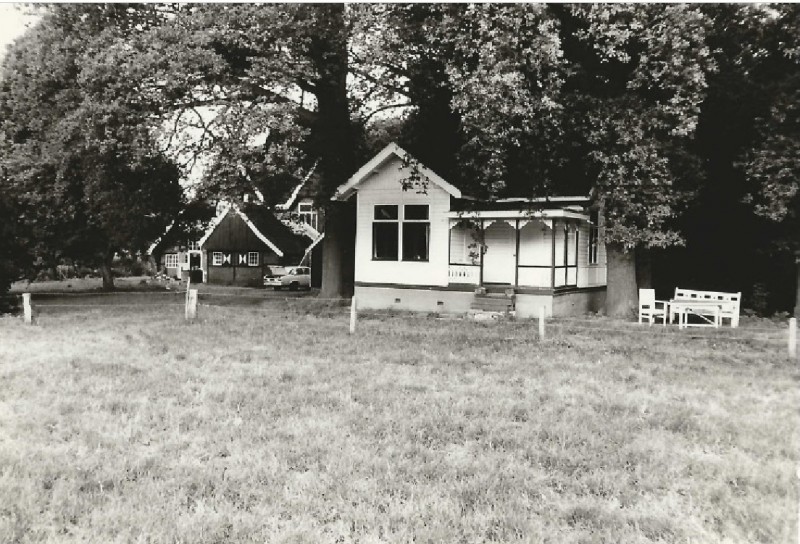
x=384 y=187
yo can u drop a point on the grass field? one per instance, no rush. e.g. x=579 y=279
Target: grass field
x=268 y=423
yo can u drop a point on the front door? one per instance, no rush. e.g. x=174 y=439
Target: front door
x=499 y=258
x=195 y=270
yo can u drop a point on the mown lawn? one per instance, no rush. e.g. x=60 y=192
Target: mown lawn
x=260 y=424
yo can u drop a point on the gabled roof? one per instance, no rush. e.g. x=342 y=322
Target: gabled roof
x=389 y=152
x=158 y=241
x=296 y=191
x=262 y=222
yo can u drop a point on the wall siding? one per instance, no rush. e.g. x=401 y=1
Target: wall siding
x=461 y=238
x=384 y=188
x=251 y=276
x=590 y=275
x=535 y=245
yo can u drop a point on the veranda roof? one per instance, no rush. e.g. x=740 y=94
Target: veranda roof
x=559 y=213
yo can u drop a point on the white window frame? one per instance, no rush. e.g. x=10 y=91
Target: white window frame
x=216 y=258
x=171 y=260
x=404 y=221
x=252 y=258
x=397 y=222
x=307 y=214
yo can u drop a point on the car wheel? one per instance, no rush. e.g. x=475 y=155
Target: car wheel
x=293 y=286
x=277 y=288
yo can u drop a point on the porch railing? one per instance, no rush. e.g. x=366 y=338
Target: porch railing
x=464 y=273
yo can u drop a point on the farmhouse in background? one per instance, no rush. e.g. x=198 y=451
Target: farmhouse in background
x=239 y=246
x=241 y=242
x=422 y=245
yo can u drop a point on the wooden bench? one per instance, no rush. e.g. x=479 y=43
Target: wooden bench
x=727 y=306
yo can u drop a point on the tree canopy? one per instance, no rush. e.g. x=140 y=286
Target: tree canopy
x=78 y=153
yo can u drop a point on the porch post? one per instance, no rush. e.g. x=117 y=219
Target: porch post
x=577 y=250
x=553 y=255
x=797 y=287
x=483 y=239
x=449 y=245
x=516 y=258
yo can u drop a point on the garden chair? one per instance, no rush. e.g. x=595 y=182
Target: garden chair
x=650 y=308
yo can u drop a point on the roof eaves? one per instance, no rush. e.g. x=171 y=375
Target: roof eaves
x=290 y=201
x=346 y=190
x=213 y=225
x=258 y=233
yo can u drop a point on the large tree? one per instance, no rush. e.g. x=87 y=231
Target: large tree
x=267 y=88
x=585 y=98
x=78 y=153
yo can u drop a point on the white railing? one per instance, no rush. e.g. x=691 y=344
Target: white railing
x=464 y=273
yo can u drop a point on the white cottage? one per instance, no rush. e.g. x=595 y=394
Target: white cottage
x=421 y=245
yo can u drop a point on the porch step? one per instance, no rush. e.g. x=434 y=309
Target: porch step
x=492 y=302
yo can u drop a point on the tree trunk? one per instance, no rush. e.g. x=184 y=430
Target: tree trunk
x=108 y=274
x=644 y=268
x=621 y=294
x=334 y=141
x=338 y=270
x=797 y=286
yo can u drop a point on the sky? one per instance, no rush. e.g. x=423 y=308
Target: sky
x=13 y=23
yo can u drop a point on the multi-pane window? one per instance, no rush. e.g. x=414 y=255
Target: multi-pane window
x=385 y=240
x=404 y=238
x=171 y=260
x=252 y=258
x=593 y=236
x=416 y=232
x=216 y=258
x=193 y=246
x=307 y=214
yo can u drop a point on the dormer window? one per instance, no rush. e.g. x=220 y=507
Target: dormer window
x=307 y=214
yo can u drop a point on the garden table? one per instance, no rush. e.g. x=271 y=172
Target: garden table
x=701 y=308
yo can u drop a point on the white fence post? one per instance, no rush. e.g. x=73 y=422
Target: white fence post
x=541 y=322
x=191 y=304
x=793 y=338
x=353 y=315
x=26 y=305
